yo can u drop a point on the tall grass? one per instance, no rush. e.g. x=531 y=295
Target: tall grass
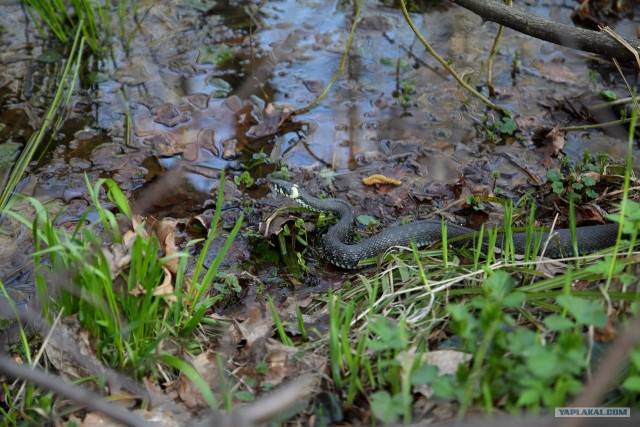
x=52 y=119
x=64 y=18
x=121 y=311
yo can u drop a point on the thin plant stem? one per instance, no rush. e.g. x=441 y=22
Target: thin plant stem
x=596 y=126
x=494 y=52
x=343 y=61
x=36 y=139
x=403 y=4
x=625 y=193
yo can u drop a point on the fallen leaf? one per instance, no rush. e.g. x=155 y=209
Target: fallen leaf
x=555 y=139
x=165 y=230
x=98 y=419
x=589 y=213
x=378 y=179
x=269 y=121
x=70 y=351
x=606 y=334
x=165 y=289
x=205 y=365
x=256 y=326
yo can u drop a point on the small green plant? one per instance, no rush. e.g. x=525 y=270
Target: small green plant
x=328 y=175
x=537 y=372
x=578 y=183
x=244 y=181
x=475 y=202
x=500 y=130
x=494 y=188
x=282 y=173
x=218 y=55
x=229 y=284
x=631 y=385
x=368 y=221
x=405 y=93
x=258 y=159
x=608 y=95
x=289 y=240
x=405 y=90
x=516 y=64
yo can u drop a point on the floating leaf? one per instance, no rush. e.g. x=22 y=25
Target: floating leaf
x=244 y=396
x=220 y=88
x=217 y=55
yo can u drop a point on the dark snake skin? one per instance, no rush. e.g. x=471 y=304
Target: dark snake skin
x=341 y=253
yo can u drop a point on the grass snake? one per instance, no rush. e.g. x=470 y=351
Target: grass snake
x=340 y=251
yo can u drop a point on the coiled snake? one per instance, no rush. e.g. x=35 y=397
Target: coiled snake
x=341 y=253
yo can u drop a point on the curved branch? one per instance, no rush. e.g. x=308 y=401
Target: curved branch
x=561 y=34
x=79 y=395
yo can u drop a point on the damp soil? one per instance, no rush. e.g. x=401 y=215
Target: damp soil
x=207 y=87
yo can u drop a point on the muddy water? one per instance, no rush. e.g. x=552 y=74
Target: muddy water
x=203 y=88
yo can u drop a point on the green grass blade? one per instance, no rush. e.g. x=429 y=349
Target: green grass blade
x=191 y=373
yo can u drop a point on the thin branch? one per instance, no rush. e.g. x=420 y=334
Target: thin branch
x=543 y=29
x=343 y=61
x=267 y=407
x=403 y=4
x=78 y=395
x=494 y=52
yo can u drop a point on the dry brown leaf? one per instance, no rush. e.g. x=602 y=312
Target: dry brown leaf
x=256 y=326
x=282 y=365
x=118 y=258
x=205 y=365
x=69 y=344
x=275 y=224
x=165 y=289
x=269 y=121
x=136 y=221
x=606 y=334
x=98 y=419
x=230 y=336
x=589 y=213
x=165 y=230
x=555 y=138
x=593 y=175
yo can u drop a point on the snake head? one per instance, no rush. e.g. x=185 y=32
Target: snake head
x=285 y=188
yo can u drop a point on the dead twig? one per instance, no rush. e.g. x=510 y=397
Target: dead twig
x=78 y=395
x=543 y=29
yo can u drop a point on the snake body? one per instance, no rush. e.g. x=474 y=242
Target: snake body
x=339 y=251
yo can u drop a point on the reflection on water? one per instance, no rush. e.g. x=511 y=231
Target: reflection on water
x=393 y=106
